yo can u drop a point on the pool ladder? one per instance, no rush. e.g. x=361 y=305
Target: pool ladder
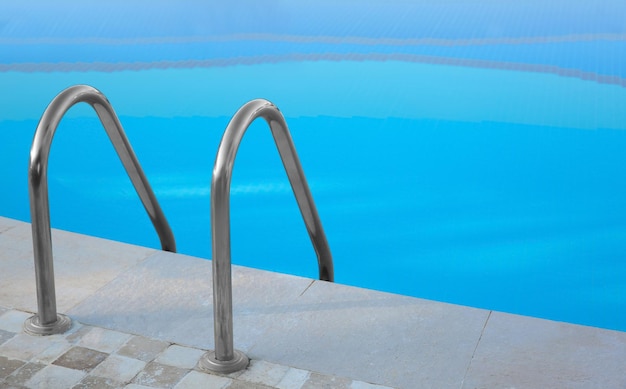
x=224 y=359
x=47 y=321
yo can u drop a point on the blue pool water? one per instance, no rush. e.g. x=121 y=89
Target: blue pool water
x=469 y=153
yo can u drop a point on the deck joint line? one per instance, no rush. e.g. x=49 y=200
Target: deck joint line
x=482 y=331
x=307 y=288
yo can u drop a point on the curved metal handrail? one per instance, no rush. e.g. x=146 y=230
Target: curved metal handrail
x=47 y=321
x=225 y=358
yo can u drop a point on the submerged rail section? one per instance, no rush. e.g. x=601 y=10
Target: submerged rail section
x=225 y=358
x=47 y=321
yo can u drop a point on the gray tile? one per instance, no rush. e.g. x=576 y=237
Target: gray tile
x=523 y=352
x=54 y=351
x=5 y=335
x=320 y=381
x=91 y=382
x=142 y=348
x=24 y=347
x=104 y=340
x=80 y=358
x=196 y=379
x=179 y=356
x=294 y=379
x=374 y=337
x=25 y=373
x=135 y=301
x=119 y=368
x=8 y=366
x=158 y=375
x=55 y=377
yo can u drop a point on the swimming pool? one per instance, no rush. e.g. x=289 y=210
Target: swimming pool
x=466 y=153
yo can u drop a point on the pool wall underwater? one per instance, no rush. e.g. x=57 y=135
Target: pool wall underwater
x=470 y=153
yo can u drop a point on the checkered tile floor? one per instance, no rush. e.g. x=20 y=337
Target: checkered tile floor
x=93 y=357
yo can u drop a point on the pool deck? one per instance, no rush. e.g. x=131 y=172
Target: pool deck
x=142 y=319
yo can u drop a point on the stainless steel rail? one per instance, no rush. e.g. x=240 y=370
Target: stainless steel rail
x=225 y=358
x=47 y=321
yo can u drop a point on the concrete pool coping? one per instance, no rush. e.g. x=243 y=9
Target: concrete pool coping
x=299 y=332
